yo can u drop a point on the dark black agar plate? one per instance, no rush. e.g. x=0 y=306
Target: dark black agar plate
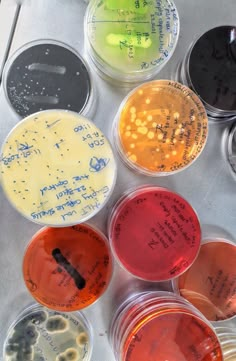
x=45 y=76
x=212 y=68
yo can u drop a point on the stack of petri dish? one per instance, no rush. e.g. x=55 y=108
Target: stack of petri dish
x=209 y=69
x=227 y=337
x=162 y=326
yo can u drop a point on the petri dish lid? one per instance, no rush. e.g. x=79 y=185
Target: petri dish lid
x=175 y=335
x=67 y=269
x=227 y=337
x=210 y=283
x=47 y=74
x=154 y=233
x=161 y=128
x=57 y=168
x=231 y=147
x=130 y=41
x=212 y=69
x=42 y=334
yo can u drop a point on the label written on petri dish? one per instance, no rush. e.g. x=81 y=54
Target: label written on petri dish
x=46 y=76
x=48 y=335
x=57 y=168
x=67 y=269
x=155 y=234
x=162 y=127
x=210 y=283
x=132 y=37
x=172 y=336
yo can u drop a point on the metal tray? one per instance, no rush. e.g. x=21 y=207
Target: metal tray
x=208 y=184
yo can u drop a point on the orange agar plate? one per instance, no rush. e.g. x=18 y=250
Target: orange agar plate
x=67 y=269
x=165 y=327
x=174 y=336
x=210 y=283
x=161 y=128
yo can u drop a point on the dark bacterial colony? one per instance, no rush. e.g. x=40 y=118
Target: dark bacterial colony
x=41 y=336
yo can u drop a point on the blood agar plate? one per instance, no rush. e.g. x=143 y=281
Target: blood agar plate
x=209 y=68
x=154 y=233
x=130 y=41
x=210 y=283
x=48 y=74
x=57 y=168
x=160 y=326
x=67 y=269
x=161 y=128
x=42 y=334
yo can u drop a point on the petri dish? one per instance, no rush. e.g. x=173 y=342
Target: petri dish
x=158 y=331
x=154 y=233
x=210 y=283
x=57 y=168
x=130 y=41
x=161 y=128
x=227 y=337
x=42 y=334
x=67 y=269
x=231 y=147
x=209 y=69
x=47 y=74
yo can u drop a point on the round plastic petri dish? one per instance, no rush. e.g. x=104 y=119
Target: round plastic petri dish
x=47 y=74
x=210 y=283
x=161 y=128
x=154 y=233
x=161 y=332
x=230 y=147
x=57 y=168
x=209 y=69
x=42 y=334
x=67 y=269
x=130 y=41
x=227 y=337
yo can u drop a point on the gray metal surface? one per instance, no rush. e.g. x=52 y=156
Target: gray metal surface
x=209 y=184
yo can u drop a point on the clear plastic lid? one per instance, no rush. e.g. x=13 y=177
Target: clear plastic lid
x=159 y=325
x=154 y=233
x=57 y=168
x=210 y=283
x=161 y=128
x=67 y=269
x=128 y=40
x=230 y=147
x=227 y=337
x=47 y=74
x=42 y=334
x=209 y=69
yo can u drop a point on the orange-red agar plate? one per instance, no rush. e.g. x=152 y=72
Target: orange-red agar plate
x=210 y=283
x=67 y=269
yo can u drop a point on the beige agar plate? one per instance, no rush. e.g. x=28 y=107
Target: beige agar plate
x=57 y=168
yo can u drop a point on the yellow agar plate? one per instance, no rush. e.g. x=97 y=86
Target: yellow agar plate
x=57 y=168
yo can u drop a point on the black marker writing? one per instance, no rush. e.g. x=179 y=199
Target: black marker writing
x=62 y=261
